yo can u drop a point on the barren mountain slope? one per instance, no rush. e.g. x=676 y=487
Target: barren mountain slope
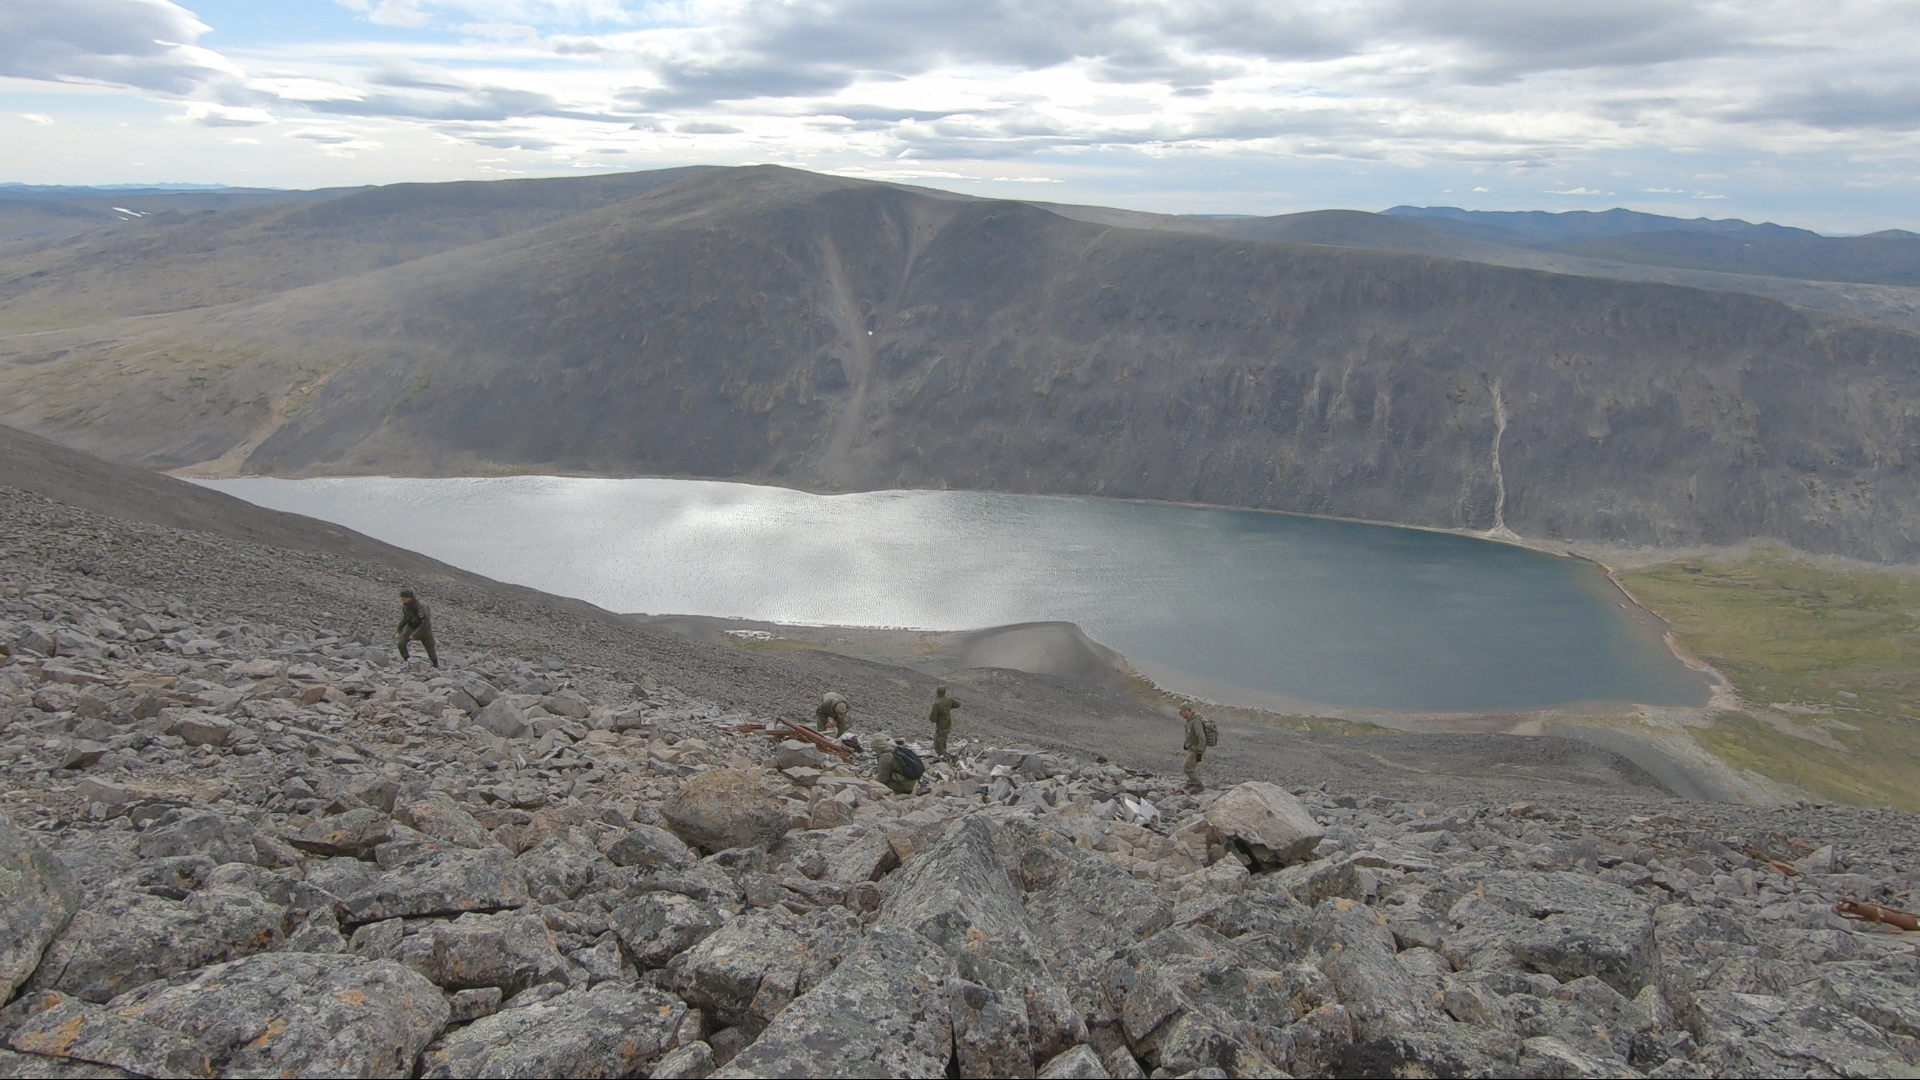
x=773 y=325
x=177 y=259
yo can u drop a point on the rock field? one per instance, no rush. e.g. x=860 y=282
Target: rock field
x=237 y=847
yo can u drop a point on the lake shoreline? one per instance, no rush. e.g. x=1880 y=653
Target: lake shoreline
x=1658 y=739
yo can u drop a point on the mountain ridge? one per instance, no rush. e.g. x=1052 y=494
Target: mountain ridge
x=769 y=325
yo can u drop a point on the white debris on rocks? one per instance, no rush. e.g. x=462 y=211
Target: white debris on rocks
x=247 y=847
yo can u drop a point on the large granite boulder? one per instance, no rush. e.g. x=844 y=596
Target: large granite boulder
x=660 y=926
x=213 y=836
x=608 y=1031
x=66 y=1034
x=298 y=1014
x=437 y=880
x=353 y=834
x=37 y=898
x=436 y=814
x=649 y=847
x=1563 y=924
x=1266 y=822
x=885 y=1012
x=128 y=938
x=511 y=950
x=726 y=808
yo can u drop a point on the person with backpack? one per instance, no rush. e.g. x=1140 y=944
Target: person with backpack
x=415 y=625
x=898 y=767
x=1200 y=734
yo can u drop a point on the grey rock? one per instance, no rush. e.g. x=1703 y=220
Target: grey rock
x=82 y=754
x=700 y=880
x=1266 y=822
x=1317 y=881
x=440 y=881
x=215 y=836
x=129 y=938
x=200 y=729
x=726 y=808
x=608 y=1031
x=38 y=897
x=65 y=1028
x=378 y=940
x=508 y=950
x=501 y=718
x=991 y=1036
x=884 y=1012
x=353 y=834
x=298 y=1014
x=343 y=876
x=469 y=1005
x=566 y=703
x=559 y=869
x=1187 y=1000
x=1769 y=1035
x=868 y=858
x=480 y=690
x=649 y=847
x=744 y=972
x=692 y=1061
x=1883 y=993
x=1078 y=1063
x=1563 y=924
x=1088 y=916
x=435 y=814
x=37 y=1067
x=661 y=926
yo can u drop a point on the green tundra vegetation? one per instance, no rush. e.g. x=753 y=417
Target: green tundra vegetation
x=1827 y=664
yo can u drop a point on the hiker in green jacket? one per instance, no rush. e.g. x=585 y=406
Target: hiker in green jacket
x=833 y=709
x=1196 y=747
x=415 y=625
x=941 y=717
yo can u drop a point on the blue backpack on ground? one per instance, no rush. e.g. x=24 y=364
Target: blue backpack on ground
x=907 y=763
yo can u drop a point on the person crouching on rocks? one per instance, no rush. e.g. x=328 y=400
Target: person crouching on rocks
x=900 y=772
x=833 y=709
x=416 y=625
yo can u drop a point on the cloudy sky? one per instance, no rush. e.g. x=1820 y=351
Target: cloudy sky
x=1803 y=112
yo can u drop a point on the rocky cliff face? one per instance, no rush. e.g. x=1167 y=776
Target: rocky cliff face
x=767 y=325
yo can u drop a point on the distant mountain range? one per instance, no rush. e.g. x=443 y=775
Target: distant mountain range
x=778 y=326
x=60 y=191
x=1891 y=257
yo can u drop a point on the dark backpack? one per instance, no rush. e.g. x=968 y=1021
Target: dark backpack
x=1213 y=733
x=907 y=763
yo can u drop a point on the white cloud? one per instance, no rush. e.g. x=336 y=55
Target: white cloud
x=146 y=44
x=38 y=118
x=207 y=114
x=1020 y=90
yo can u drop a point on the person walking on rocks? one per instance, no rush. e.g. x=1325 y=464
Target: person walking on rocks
x=941 y=717
x=416 y=625
x=890 y=770
x=833 y=709
x=1196 y=747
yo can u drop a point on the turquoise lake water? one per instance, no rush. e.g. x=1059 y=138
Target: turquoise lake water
x=1328 y=612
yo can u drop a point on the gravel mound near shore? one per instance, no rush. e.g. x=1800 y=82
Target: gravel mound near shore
x=239 y=843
